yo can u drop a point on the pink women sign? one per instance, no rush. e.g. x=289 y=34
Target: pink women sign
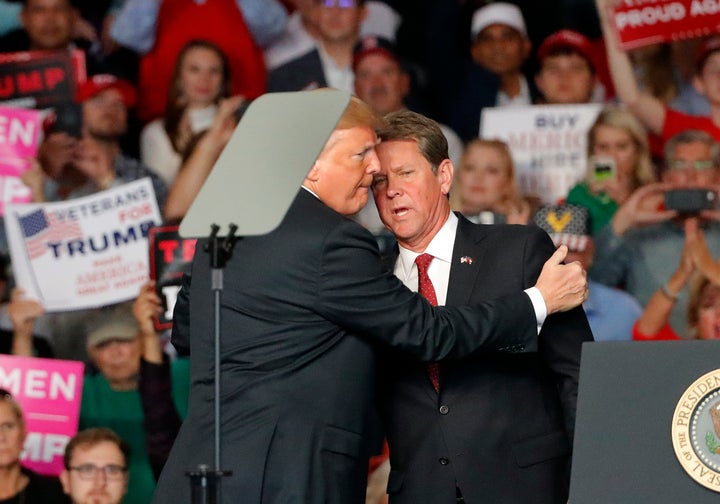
x=49 y=391
x=19 y=137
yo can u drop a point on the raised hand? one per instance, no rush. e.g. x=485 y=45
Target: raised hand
x=563 y=286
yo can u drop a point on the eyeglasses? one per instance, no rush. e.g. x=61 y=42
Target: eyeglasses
x=701 y=164
x=341 y=4
x=90 y=471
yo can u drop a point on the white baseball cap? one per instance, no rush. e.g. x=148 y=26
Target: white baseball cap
x=497 y=13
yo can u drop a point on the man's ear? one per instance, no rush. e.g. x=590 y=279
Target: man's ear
x=445 y=175
x=65 y=480
x=699 y=84
x=314 y=173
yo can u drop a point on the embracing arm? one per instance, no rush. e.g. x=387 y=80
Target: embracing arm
x=357 y=293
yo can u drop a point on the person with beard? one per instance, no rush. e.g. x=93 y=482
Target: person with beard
x=97 y=155
x=96 y=467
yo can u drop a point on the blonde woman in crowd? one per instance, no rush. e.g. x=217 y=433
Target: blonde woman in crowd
x=619 y=162
x=485 y=189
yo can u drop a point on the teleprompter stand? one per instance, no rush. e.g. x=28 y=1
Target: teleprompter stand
x=248 y=192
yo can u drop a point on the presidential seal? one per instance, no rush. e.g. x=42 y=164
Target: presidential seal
x=696 y=430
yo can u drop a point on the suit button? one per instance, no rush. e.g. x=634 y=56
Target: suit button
x=443 y=461
x=444 y=410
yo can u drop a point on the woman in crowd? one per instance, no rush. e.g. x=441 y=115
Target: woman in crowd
x=485 y=189
x=619 y=162
x=697 y=267
x=200 y=80
x=17 y=483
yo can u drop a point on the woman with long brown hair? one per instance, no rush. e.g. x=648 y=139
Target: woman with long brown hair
x=200 y=80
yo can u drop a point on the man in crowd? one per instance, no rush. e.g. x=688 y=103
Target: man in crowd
x=330 y=63
x=643 y=243
x=96 y=467
x=105 y=100
x=49 y=25
x=567 y=73
x=499 y=49
x=495 y=427
x=311 y=299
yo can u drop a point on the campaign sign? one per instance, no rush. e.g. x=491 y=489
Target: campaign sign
x=548 y=144
x=49 y=391
x=19 y=137
x=646 y=22
x=40 y=79
x=170 y=258
x=86 y=252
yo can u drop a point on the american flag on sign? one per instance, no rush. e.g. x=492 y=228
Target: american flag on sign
x=40 y=227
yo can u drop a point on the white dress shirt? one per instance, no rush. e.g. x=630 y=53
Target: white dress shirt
x=441 y=248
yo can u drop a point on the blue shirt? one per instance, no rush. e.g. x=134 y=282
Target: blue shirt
x=610 y=312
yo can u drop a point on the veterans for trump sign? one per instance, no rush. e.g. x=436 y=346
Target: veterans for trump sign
x=548 y=144
x=19 y=137
x=49 y=391
x=646 y=22
x=86 y=252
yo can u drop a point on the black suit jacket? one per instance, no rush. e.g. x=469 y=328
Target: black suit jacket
x=300 y=309
x=501 y=426
x=302 y=73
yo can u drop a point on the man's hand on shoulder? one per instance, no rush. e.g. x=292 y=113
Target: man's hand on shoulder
x=563 y=286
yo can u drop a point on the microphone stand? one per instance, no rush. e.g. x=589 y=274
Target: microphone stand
x=205 y=483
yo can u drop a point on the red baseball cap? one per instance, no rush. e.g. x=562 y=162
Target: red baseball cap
x=100 y=82
x=373 y=45
x=568 y=39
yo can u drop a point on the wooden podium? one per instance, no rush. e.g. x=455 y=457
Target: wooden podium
x=636 y=399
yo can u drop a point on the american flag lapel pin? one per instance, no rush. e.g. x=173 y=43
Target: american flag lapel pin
x=466 y=260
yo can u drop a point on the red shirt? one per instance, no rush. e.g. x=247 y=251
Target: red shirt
x=666 y=333
x=675 y=122
x=180 y=21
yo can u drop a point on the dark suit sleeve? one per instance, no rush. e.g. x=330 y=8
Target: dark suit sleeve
x=357 y=293
x=180 y=337
x=562 y=334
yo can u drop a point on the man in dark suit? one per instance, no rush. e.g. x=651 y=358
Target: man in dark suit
x=497 y=427
x=330 y=62
x=302 y=307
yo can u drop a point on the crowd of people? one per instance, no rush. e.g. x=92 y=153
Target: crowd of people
x=168 y=81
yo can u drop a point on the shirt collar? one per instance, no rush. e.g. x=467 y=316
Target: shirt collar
x=440 y=247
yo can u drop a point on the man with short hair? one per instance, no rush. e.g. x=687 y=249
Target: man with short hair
x=499 y=48
x=105 y=100
x=494 y=427
x=329 y=64
x=382 y=82
x=46 y=25
x=567 y=73
x=96 y=467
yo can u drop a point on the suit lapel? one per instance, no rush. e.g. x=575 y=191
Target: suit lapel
x=468 y=252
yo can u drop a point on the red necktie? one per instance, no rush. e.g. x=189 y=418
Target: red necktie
x=426 y=289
